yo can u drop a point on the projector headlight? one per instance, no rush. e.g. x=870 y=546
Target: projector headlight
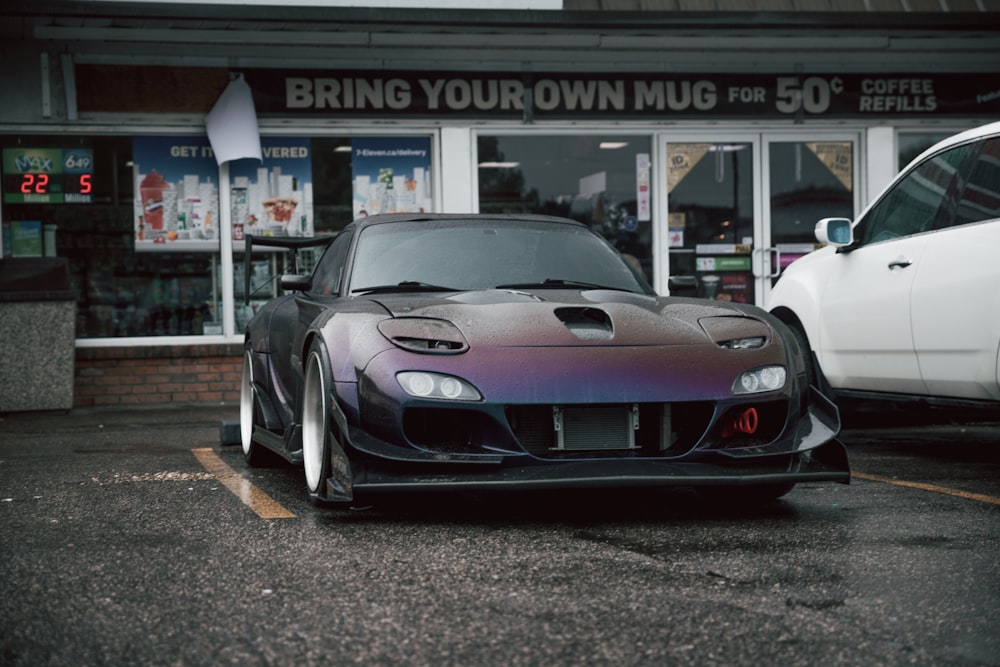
x=765 y=378
x=423 y=384
x=732 y=332
x=751 y=343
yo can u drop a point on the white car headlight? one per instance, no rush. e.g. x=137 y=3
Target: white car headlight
x=765 y=378
x=424 y=384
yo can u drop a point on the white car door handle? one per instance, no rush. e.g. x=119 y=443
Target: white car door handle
x=900 y=263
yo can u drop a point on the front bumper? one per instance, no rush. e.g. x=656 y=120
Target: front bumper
x=826 y=463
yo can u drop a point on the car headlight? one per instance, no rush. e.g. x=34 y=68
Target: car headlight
x=731 y=332
x=751 y=343
x=424 y=334
x=764 y=378
x=424 y=384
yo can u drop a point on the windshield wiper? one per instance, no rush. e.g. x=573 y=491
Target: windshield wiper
x=405 y=286
x=559 y=283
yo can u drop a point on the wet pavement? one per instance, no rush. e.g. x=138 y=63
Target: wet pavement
x=122 y=547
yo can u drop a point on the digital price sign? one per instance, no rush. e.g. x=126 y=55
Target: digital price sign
x=48 y=175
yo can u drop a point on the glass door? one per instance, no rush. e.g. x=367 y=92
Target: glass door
x=805 y=180
x=741 y=207
x=712 y=214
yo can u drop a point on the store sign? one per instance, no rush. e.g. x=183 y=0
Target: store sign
x=562 y=95
x=48 y=175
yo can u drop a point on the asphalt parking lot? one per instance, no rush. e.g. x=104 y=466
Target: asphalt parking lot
x=134 y=537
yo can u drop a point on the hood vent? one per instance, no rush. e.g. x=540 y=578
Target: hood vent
x=587 y=323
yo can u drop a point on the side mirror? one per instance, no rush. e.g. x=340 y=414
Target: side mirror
x=835 y=231
x=294 y=283
x=682 y=285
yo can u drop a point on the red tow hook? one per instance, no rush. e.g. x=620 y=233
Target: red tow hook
x=746 y=423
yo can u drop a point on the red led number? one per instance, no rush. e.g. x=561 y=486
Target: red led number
x=85 y=184
x=35 y=184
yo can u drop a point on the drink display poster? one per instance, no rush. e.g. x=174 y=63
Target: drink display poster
x=273 y=197
x=176 y=194
x=391 y=175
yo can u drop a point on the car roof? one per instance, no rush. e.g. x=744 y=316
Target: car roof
x=382 y=218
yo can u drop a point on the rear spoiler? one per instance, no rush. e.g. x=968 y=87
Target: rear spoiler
x=294 y=244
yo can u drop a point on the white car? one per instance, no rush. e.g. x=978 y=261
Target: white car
x=904 y=302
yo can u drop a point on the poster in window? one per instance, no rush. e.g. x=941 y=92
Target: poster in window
x=25 y=238
x=391 y=175
x=273 y=197
x=176 y=194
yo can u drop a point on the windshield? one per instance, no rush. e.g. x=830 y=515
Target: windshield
x=484 y=254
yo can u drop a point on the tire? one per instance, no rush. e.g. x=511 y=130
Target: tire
x=255 y=454
x=812 y=373
x=746 y=495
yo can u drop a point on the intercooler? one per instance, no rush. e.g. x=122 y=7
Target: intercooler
x=595 y=428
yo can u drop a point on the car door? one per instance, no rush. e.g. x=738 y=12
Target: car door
x=956 y=290
x=866 y=339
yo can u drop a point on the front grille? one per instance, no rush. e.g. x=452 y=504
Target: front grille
x=639 y=429
x=566 y=431
x=595 y=428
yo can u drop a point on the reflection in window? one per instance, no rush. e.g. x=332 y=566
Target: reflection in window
x=912 y=205
x=589 y=178
x=980 y=199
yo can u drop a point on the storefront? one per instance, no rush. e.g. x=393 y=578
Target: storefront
x=714 y=173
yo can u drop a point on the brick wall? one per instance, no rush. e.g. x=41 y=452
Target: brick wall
x=158 y=374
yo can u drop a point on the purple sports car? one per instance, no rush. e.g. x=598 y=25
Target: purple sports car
x=468 y=352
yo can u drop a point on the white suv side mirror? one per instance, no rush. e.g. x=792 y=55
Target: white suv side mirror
x=835 y=231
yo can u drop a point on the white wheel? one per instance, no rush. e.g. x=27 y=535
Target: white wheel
x=315 y=424
x=246 y=404
x=254 y=453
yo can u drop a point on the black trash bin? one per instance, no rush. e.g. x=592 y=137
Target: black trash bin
x=37 y=332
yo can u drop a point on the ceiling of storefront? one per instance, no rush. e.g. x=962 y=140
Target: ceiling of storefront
x=595 y=35
x=937 y=6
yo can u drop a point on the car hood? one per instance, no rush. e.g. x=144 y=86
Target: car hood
x=522 y=318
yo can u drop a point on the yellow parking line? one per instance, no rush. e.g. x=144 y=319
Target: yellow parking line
x=252 y=497
x=928 y=487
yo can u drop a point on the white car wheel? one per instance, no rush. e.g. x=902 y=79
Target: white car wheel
x=254 y=453
x=315 y=424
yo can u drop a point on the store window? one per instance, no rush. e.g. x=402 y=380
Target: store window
x=138 y=217
x=77 y=193
x=912 y=144
x=599 y=180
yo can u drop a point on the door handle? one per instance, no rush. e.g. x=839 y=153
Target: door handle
x=770 y=267
x=900 y=263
